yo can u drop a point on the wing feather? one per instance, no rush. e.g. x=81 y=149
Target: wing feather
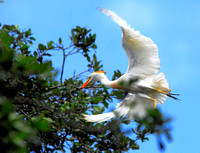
x=134 y=106
x=141 y=51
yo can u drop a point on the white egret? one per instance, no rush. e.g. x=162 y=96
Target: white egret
x=145 y=87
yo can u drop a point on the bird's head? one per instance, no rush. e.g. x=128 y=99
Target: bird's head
x=93 y=77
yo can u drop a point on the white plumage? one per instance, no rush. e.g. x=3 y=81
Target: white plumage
x=141 y=51
x=145 y=87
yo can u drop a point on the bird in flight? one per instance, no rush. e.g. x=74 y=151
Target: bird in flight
x=145 y=86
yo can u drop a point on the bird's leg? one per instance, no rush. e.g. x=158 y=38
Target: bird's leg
x=168 y=94
x=155 y=102
x=160 y=91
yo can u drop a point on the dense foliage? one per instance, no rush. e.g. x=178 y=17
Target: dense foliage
x=41 y=114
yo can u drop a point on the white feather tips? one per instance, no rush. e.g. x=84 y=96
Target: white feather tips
x=141 y=51
x=114 y=17
x=160 y=82
x=99 y=118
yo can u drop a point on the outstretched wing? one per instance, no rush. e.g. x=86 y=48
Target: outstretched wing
x=141 y=51
x=134 y=106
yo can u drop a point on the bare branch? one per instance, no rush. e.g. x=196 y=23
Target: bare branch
x=63 y=63
x=65 y=56
x=41 y=55
x=79 y=74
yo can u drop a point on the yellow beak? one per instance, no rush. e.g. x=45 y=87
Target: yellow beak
x=85 y=84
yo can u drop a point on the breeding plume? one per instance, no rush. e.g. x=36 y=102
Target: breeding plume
x=146 y=88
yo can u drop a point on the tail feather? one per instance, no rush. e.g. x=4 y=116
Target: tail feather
x=161 y=98
x=173 y=96
x=160 y=83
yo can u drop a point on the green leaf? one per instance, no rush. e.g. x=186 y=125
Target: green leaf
x=41 y=124
x=6 y=107
x=167 y=134
x=94 y=36
x=42 y=47
x=28 y=33
x=97 y=108
x=126 y=121
x=5 y=40
x=32 y=38
x=94 y=46
x=97 y=99
x=60 y=41
x=18 y=141
x=133 y=145
x=50 y=45
x=48 y=119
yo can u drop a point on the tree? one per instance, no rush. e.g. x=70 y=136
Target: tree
x=41 y=114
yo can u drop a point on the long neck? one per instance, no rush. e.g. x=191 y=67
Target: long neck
x=105 y=81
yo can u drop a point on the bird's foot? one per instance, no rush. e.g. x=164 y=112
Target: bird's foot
x=155 y=102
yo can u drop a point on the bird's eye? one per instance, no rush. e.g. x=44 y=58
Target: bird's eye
x=89 y=77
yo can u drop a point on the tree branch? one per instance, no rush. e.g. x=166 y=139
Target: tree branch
x=65 y=56
x=79 y=74
x=63 y=63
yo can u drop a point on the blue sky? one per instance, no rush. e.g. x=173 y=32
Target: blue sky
x=173 y=25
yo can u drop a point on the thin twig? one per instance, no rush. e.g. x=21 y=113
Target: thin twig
x=64 y=57
x=71 y=52
x=58 y=47
x=54 y=87
x=41 y=55
x=78 y=74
